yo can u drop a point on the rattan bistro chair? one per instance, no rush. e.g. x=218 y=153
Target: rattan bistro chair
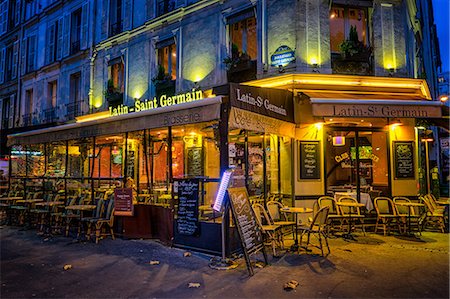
x=106 y=222
x=352 y=214
x=334 y=213
x=317 y=227
x=280 y=218
x=434 y=216
x=272 y=233
x=386 y=214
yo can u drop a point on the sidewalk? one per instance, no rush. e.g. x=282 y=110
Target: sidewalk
x=375 y=266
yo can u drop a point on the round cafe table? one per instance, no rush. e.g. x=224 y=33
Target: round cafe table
x=296 y=211
x=410 y=205
x=350 y=205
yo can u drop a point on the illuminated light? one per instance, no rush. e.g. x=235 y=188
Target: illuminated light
x=338 y=140
x=443 y=98
x=330 y=119
x=192 y=133
x=313 y=60
x=318 y=125
x=332 y=16
x=421 y=128
x=92 y=117
x=377 y=149
x=224 y=182
x=159 y=133
x=115 y=150
x=362 y=120
x=174 y=54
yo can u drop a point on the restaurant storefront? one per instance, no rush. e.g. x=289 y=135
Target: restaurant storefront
x=158 y=150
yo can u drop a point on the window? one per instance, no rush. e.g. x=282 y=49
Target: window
x=14 y=13
x=73 y=108
x=167 y=58
x=342 y=19
x=75 y=35
x=30 y=9
x=243 y=35
x=28 y=107
x=116 y=82
x=52 y=92
x=165 y=6
x=31 y=53
x=3 y=16
x=115 y=17
x=51 y=42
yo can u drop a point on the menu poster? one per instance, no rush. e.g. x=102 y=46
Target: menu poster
x=130 y=164
x=187 y=216
x=245 y=219
x=195 y=161
x=309 y=160
x=123 y=202
x=404 y=159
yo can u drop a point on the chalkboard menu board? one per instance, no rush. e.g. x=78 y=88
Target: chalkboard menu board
x=187 y=216
x=309 y=160
x=131 y=160
x=194 y=161
x=245 y=219
x=404 y=159
x=123 y=202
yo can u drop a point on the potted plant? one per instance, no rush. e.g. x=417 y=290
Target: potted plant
x=352 y=47
x=112 y=93
x=238 y=59
x=163 y=82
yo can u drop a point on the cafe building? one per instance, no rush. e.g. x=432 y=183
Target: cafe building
x=294 y=138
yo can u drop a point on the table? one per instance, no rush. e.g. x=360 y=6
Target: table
x=11 y=198
x=364 y=198
x=349 y=235
x=410 y=205
x=296 y=211
x=81 y=208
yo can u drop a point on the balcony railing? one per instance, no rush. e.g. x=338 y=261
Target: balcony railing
x=73 y=110
x=359 y=64
x=74 y=47
x=115 y=28
x=165 y=6
x=27 y=119
x=49 y=115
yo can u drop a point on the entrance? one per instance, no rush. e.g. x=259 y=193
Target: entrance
x=356 y=162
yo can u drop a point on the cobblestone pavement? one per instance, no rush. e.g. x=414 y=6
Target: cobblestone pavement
x=374 y=266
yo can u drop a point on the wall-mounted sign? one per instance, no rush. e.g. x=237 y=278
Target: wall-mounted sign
x=348 y=110
x=282 y=56
x=403 y=159
x=309 y=160
x=275 y=103
x=163 y=101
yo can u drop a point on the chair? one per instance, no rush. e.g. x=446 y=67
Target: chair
x=278 y=217
x=71 y=216
x=386 y=214
x=433 y=215
x=107 y=221
x=317 y=227
x=411 y=214
x=89 y=221
x=272 y=232
x=334 y=214
x=350 y=214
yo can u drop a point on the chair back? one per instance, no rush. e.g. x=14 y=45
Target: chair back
x=109 y=214
x=426 y=201
x=430 y=197
x=261 y=215
x=99 y=208
x=384 y=206
x=273 y=207
x=320 y=219
x=402 y=210
x=330 y=202
x=347 y=210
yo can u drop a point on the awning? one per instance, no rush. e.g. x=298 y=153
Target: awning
x=376 y=108
x=186 y=113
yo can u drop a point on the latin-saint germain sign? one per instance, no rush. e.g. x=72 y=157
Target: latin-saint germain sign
x=377 y=110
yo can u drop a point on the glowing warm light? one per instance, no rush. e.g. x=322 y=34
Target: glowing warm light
x=97 y=102
x=443 y=98
x=92 y=117
x=332 y=16
x=313 y=60
x=318 y=125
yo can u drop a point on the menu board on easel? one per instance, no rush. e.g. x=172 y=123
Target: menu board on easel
x=309 y=160
x=187 y=216
x=403 y=159
x=245 y=219
x=123 y=202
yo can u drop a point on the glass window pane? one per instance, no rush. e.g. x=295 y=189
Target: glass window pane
x=56 y=163
x=337 y=28
x=357 y=18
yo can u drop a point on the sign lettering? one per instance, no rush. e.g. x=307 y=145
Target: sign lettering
x=376 y=110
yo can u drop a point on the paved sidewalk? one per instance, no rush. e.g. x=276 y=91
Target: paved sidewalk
x=376 y=266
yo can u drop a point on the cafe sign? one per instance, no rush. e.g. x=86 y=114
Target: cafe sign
x=282 y=56
x=274 y=103
x=376 y=110
x=163 y=101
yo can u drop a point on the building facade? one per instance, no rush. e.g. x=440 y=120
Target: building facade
x=328 y=96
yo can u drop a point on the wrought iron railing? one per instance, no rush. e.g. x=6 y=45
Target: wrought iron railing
x=115 y=28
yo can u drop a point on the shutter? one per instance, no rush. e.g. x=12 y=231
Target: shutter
x=50 y=41
x=15 y=60
x=84 y=26
x=23 y=59
x=2 y=65
x=105 y=9
x=17 y=11
x=66 y=36
x=32 y=52
x=127 y=13
x=59 y=38
x=3 y=16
